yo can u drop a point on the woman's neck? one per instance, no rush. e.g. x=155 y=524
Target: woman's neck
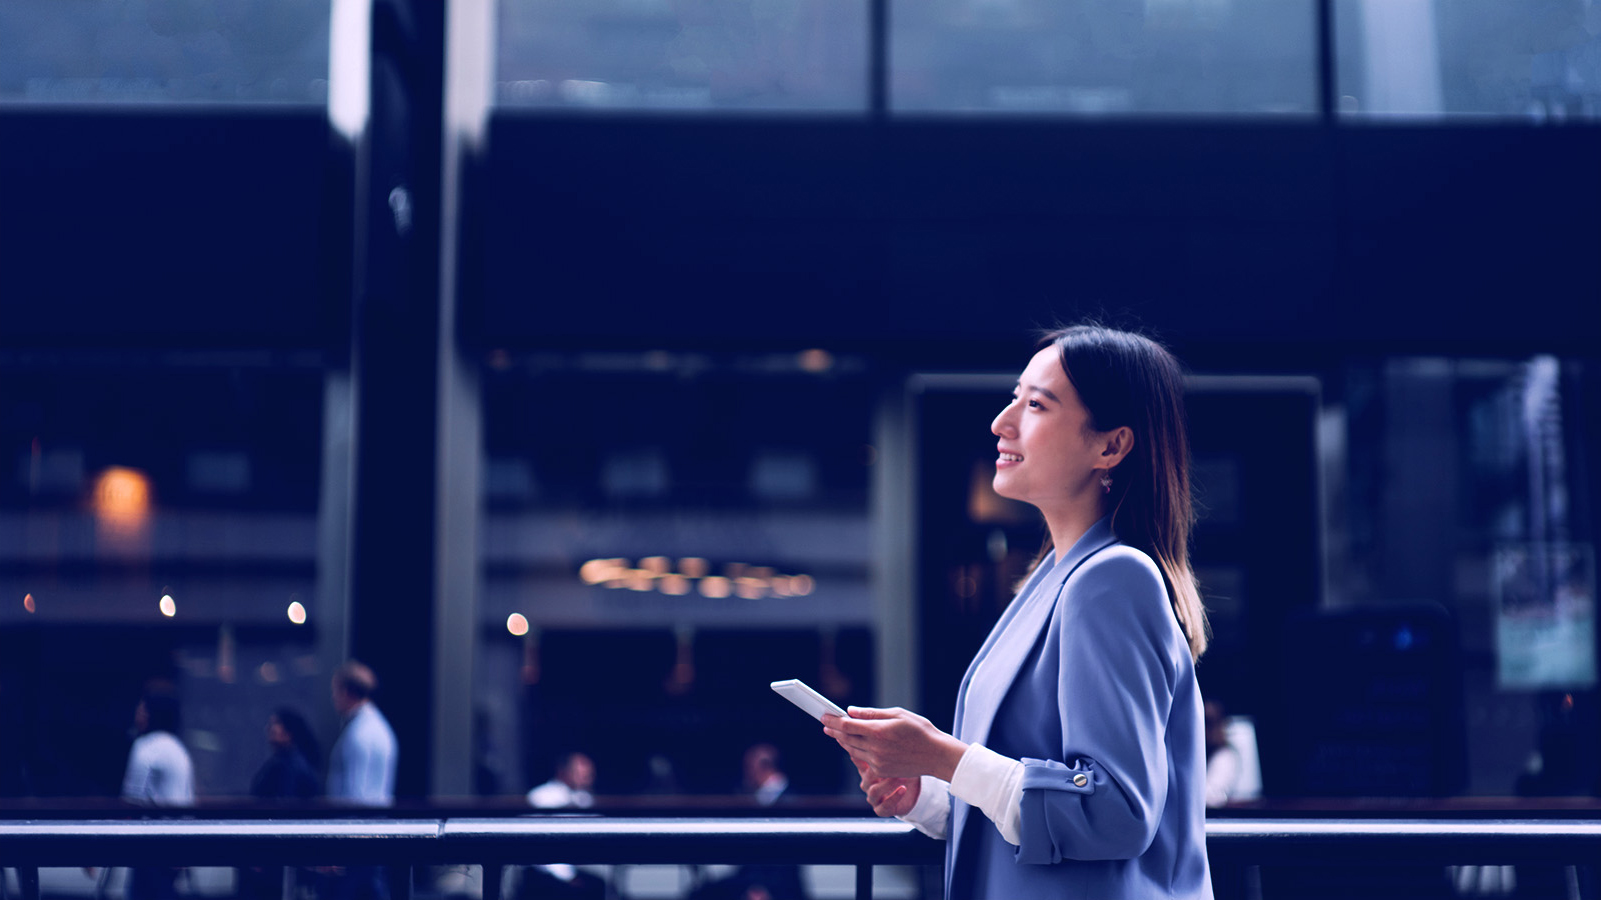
x=1070 y=523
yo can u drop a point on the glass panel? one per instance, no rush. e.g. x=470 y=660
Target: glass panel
x=1539 y=60
x=158 y=531
x=1462 y=560
x=683 y=54
x=1104 y=56
x=665 y=535
x=143 y=51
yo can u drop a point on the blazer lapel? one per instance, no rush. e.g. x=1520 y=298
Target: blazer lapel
x=1003 y=662
x=973 y=726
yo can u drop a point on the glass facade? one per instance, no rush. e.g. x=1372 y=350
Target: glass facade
x=706 y=55
x=664 y=535
x=1203 y=57
x=143 y=544
x=1537 y=61
x=164 y=51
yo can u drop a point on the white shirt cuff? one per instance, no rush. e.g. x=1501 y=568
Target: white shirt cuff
x=932 y=812
x=993 y=783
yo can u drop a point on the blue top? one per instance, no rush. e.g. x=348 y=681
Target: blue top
x=361 y=769
x=1087 y=678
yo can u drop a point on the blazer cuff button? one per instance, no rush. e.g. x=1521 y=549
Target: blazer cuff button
x=1081 y=779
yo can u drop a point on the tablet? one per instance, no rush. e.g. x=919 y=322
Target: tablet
x=801 y=694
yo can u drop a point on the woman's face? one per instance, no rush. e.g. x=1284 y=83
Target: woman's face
x=1047 y=452
x=277 y=734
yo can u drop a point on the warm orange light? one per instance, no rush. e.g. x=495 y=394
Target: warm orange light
x=599 y=571
x=656 y=565
x=674 y=584
x=297 y=613
x=168 y=607
x=815 y=360
x=801 y=585
x=27 y=603
x=122 y=499
x=751 y=588
x=517 y=624
x=268 y=673
x=639 y=580
x=715 y=587
x=694 y=567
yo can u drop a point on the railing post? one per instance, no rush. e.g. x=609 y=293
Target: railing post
x=864 y=881
x=403 y=890
x=491 y=880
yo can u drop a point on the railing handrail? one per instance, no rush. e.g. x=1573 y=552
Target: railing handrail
x=844 y=841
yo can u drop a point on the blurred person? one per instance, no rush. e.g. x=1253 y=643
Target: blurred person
x=159 y=773
x=361 y=769
x=1077 y=763
x=289 y=772
x=569 y=788
x=766 y=782
x=763 y=778
x=1224 y=764
x=288 y=775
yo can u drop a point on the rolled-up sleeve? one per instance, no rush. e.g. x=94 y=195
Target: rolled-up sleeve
x=1103 y=798
x=932 y=811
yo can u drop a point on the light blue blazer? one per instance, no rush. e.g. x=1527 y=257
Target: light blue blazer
x=1103 y=709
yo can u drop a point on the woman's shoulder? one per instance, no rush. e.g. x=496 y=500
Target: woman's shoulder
x=1129 y=583
x=1123 y=563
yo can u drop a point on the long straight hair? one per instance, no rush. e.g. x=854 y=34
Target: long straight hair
x=1127 y=379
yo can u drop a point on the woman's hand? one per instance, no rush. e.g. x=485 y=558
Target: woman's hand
x=895 y=744
x=890 y=797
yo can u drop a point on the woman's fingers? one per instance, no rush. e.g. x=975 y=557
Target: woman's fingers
x=887 y=806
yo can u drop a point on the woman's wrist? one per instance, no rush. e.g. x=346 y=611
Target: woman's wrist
x=948 y=757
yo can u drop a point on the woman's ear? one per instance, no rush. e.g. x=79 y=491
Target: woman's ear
x=1119 y=442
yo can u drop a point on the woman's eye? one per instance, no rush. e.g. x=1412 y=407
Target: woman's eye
x=1035 y=404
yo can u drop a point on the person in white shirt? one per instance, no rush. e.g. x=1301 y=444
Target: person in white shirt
x=159 y=773
x=763 y=777
x=569 y=789
x=1224 y=765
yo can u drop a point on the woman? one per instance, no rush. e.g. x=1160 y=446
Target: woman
x=1077 y=765
x=289 y=773
x=289 y=776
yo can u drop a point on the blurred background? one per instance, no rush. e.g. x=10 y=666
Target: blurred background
x=584 y=366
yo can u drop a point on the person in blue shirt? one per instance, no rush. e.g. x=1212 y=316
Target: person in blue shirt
x=1077 y=763
x=361 y=769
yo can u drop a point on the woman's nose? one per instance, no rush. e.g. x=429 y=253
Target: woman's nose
x=1002 y=426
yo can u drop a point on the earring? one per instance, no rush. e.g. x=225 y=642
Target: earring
x=1106 y=482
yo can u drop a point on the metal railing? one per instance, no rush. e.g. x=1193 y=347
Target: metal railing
x=1232 y=843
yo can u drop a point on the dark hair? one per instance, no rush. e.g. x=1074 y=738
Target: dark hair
x=1127 y=379
x=300 y=733
x=161 y=710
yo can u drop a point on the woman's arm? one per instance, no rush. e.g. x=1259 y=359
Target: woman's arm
x=1119 y=654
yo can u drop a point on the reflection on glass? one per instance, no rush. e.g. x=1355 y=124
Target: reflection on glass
x=683 y=54
x=1511 y=58
x=140 y=51
x=1103 y=56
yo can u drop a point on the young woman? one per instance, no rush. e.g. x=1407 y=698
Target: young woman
x=1077 y=767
